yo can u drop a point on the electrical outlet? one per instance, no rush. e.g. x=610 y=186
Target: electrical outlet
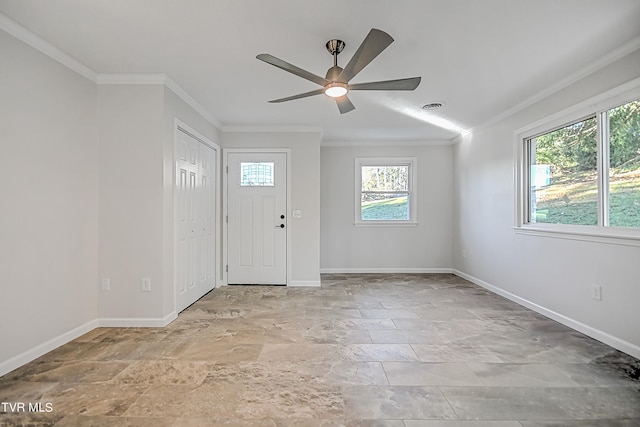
x=596 y=292
x=106 y=284
x=146 y=284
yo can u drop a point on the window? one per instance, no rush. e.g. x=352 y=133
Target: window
x=385 y=191
x=563 y=175
x=582 y=176
x=258 y=174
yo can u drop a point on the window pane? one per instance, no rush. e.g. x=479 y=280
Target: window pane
x=563 y=175
x=385 y=207
x=256 y=174
x=624 y=165
x=385 y=178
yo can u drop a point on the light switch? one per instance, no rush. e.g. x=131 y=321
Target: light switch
x=297 y=213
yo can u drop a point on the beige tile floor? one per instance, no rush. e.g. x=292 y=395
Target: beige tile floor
x=361 y=351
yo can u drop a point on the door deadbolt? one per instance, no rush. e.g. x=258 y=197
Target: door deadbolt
x=281 y=216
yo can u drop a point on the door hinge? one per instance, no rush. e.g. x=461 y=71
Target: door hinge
x=226 y=268
x=226 y=219
x=227 y=169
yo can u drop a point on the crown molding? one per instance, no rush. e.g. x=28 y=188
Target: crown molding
x=158 y=79
x=182 y=94
x=612 y=56
x=132 y=79
x=21 y=33
x=284 y=129
x=388 y=143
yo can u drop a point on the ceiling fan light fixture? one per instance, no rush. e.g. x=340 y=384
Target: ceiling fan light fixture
x=336 y=89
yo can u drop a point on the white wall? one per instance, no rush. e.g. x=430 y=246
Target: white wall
x=552 y=275
x=49 y=207
x=426 y=247
x=305 y=194
x=131 y=200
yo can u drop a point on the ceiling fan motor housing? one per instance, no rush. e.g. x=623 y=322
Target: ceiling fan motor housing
x=333 y=73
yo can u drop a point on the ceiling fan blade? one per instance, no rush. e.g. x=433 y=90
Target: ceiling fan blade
x=375 y=42
x=270 y=59
x=344 y=104
x=399 y=84
x=300 y=95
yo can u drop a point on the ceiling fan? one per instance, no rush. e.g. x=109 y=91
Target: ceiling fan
x=336 y=82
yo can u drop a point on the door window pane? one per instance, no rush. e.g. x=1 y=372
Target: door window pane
x=563 y=175
x=256 y=174
x=624 y=165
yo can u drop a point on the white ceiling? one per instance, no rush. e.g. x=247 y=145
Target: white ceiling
x=481 y=58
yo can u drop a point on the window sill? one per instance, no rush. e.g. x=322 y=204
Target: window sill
x=610 y=235
x=385 y=224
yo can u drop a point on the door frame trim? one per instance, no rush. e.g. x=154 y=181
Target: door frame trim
x=180 y=126
x=225 y=224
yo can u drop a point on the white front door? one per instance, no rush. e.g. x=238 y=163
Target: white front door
x=195 y=226
x=257 y=218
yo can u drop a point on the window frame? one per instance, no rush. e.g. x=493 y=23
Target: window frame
x=412 y=193
x=597 y=106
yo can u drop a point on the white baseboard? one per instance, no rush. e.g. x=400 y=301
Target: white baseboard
x=305 y=283
x=137 y=322
x=392 y=270
x=590 y=331
x=44 y=348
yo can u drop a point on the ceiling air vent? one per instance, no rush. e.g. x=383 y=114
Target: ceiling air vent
x=432 y=106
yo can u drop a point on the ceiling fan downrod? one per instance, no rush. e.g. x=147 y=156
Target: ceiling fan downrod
x=334 y=47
